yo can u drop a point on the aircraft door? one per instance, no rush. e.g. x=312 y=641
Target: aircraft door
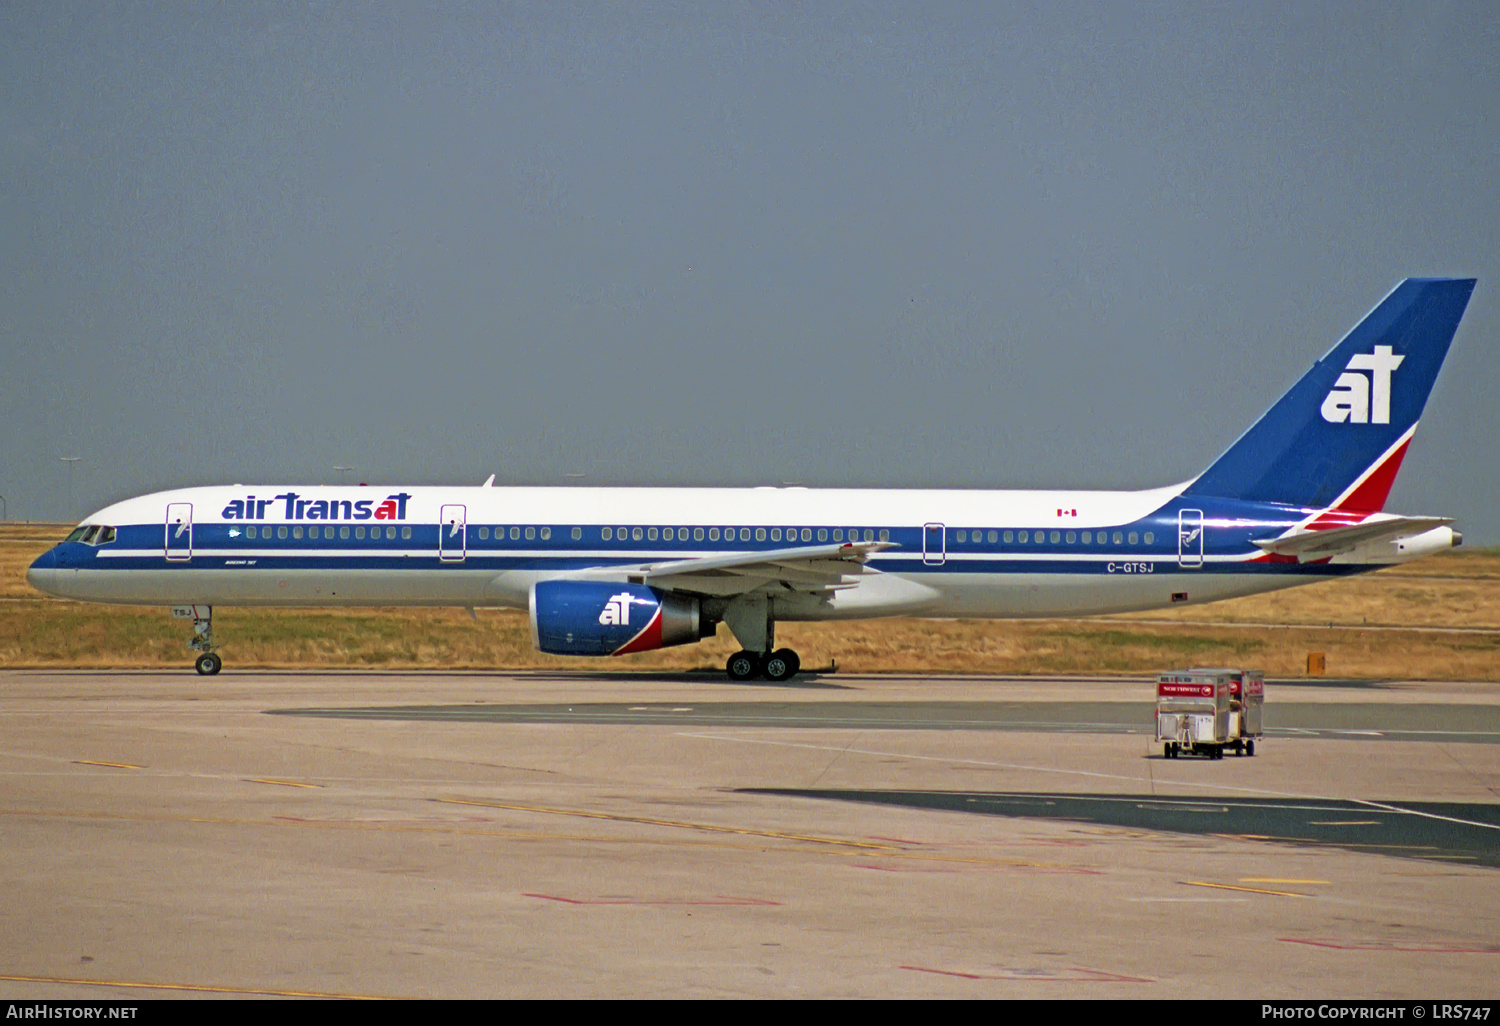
x=1190 y=538
x=179 y=532
x=453 y=534
x=934 y=544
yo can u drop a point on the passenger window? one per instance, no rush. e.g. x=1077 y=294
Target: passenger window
x=359 y=533
x=807 y=534
x=667 y=534
x=744 y=534
x=760 y=534
x=344 y=534
x=515 y=534
x=250 y=532
x=993 y=539
x=1055 y=537
x=1071 y=536
x=607 y=534
x=885 y=536
x=636 y=534
x=1009 y=537
x=1041 y=537
x=1150 y=538
x=1118 y=538
x=822 y=534
x=697 y=534
x=1088 y=537
x=1025 y=536
x=546 y=534
x=390 y=532
x=484 y=534
x=651 y=534
x=281 y=533
x=1133 y=537
x=297 y=531
x=530 y=534
x=713 y=534
x=961 y=536
x=776 y=534
x=577 y=533
x=838 y=534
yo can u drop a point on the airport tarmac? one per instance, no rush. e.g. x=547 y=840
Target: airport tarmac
x=629 y=835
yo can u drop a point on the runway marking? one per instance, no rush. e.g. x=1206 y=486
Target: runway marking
x=1427 y=815
x=1092 y=773
x=198 y=988
x=1069 y=975
x=717 y=900
x=1427 y=949
x=1252 y=890
x=1343 y=822
x=282 y=783
x=1278 y=880
x=112 y=765
x=1220 y=901
x=674 y=823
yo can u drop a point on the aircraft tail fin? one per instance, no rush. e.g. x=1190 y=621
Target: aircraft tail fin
x=1336 y=439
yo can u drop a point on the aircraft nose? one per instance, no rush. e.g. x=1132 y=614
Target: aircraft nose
x=42 y=574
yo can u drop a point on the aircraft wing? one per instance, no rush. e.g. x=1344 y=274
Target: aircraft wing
x=815 y=568
x=1309 y=545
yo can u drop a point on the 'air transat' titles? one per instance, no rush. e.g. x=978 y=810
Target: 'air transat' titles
x=392 y=507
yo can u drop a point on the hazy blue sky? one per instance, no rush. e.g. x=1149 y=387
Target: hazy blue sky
x=905 y=245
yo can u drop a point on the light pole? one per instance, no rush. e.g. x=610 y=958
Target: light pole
x=342 y=471
x=70 y=460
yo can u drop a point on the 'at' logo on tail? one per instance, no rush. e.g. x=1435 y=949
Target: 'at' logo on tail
x=1363 y=400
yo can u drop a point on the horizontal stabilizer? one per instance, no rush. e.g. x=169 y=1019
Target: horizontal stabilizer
x=1308 y=545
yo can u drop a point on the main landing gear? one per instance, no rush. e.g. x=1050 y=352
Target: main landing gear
x=208 y=662
x=749 y=618
x=779 y=665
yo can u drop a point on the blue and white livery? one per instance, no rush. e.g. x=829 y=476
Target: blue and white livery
x=609 y=571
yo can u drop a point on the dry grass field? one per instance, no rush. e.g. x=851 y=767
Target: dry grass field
x=1436 y=619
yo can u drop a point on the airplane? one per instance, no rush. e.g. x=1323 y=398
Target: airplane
x=1298 y=498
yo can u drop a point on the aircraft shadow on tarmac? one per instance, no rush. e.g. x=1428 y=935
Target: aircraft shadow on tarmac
x=1453 y=832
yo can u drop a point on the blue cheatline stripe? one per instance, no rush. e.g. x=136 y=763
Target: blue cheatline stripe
x=1125 y=563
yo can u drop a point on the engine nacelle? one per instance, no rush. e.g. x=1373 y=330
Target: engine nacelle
x=604 y=618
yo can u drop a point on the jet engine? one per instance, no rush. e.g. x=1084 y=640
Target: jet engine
x=607 y=618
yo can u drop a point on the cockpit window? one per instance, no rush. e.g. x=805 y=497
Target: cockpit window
x=92 y=534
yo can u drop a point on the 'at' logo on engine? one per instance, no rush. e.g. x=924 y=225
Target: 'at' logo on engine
x=1358 y=399
x=617 y=609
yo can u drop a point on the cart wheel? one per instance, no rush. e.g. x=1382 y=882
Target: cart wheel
x=1249 y=747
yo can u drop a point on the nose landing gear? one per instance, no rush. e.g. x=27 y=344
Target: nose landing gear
x=208 y=662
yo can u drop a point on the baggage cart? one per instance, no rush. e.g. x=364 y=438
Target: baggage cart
x=1192 y=712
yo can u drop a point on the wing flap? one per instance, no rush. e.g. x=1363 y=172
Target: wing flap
x=810 y=568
